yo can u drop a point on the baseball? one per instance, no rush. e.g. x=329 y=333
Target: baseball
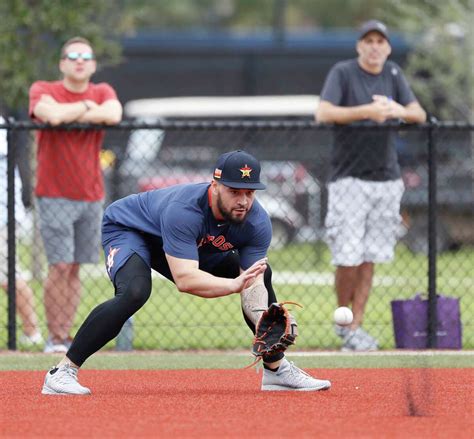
x=343 y=316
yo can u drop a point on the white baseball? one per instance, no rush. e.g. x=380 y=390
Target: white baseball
x=343 y=316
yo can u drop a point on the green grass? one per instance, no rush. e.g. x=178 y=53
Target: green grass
x=237 y=360
x=302 y=273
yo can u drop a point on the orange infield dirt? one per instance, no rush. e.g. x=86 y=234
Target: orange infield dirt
x=363 y=403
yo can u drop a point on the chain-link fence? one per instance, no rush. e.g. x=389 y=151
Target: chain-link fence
x=434 y=250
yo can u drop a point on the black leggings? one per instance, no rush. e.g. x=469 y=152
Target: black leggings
x=132 y=290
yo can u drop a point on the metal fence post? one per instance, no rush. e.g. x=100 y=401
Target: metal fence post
x=11 y=271
x=432 y=233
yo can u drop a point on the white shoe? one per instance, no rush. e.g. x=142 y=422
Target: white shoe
x=32 y=340
x=62 y=380
x=52 y=347
x=290 y=377
x=341 y=331
x=359 y=341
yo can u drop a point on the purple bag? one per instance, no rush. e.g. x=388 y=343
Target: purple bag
x=410 y=323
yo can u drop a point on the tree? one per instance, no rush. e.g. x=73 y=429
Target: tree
x=33 y=31
x=440 y=67
x=247 y=14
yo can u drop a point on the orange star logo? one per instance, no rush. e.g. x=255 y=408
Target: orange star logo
x=245 y=171
x=110 y=258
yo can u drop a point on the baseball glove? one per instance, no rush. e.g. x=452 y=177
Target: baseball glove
x=276 y=330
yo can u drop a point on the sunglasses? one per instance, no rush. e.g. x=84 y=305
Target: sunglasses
x=74 y=56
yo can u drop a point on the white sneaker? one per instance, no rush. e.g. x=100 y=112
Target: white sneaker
x=32 y=340
x=359 y=341
x=62 y=380
x=341 y=331
x=52 y=347
x=290 y=377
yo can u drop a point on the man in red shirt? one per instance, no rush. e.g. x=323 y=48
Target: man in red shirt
x=70 y=188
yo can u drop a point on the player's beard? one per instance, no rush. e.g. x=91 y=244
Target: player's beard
x=227 y=214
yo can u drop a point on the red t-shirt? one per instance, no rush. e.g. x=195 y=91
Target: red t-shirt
x=68 y=161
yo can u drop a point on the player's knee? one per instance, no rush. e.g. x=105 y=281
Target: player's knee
x=137 y=291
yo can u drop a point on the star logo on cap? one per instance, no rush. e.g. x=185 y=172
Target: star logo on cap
x=245 y=171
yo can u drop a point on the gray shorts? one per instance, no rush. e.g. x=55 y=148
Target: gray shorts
x=362 y=220
x=70 y=229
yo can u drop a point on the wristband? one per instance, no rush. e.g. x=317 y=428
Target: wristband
x=87 y=105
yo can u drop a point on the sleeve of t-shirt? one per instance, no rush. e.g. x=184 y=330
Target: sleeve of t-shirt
x=36 y=90
x=404 y=91
x=333 y=86
x=107 y=93
x=180 y=230
x=259 y=241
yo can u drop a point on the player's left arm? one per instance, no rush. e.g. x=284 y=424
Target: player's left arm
x=254 y=299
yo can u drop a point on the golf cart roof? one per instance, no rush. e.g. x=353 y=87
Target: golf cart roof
x=223 y=106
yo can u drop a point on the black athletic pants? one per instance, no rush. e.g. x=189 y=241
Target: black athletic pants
x=132 y=290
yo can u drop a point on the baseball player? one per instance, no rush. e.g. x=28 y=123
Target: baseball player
x=210 y=239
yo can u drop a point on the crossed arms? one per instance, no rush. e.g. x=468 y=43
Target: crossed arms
x=49 y=110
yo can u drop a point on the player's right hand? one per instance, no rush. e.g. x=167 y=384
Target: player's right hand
x=247 y=277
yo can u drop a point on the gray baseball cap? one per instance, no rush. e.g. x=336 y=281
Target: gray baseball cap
x=373 y=26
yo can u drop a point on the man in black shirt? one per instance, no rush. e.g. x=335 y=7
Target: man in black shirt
x=365 y=187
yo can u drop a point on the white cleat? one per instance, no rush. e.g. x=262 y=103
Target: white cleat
x=290 y=377
x=62 y=380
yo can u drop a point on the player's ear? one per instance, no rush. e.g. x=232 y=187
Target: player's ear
x=214 y=187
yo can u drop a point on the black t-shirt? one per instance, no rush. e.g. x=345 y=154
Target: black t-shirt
x=366 y=154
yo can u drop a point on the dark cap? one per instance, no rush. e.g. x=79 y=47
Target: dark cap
x=238 y=170
x=373 y=26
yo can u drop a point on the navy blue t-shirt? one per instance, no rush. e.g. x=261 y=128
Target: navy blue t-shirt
x=366 y=154
x=181 y=216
